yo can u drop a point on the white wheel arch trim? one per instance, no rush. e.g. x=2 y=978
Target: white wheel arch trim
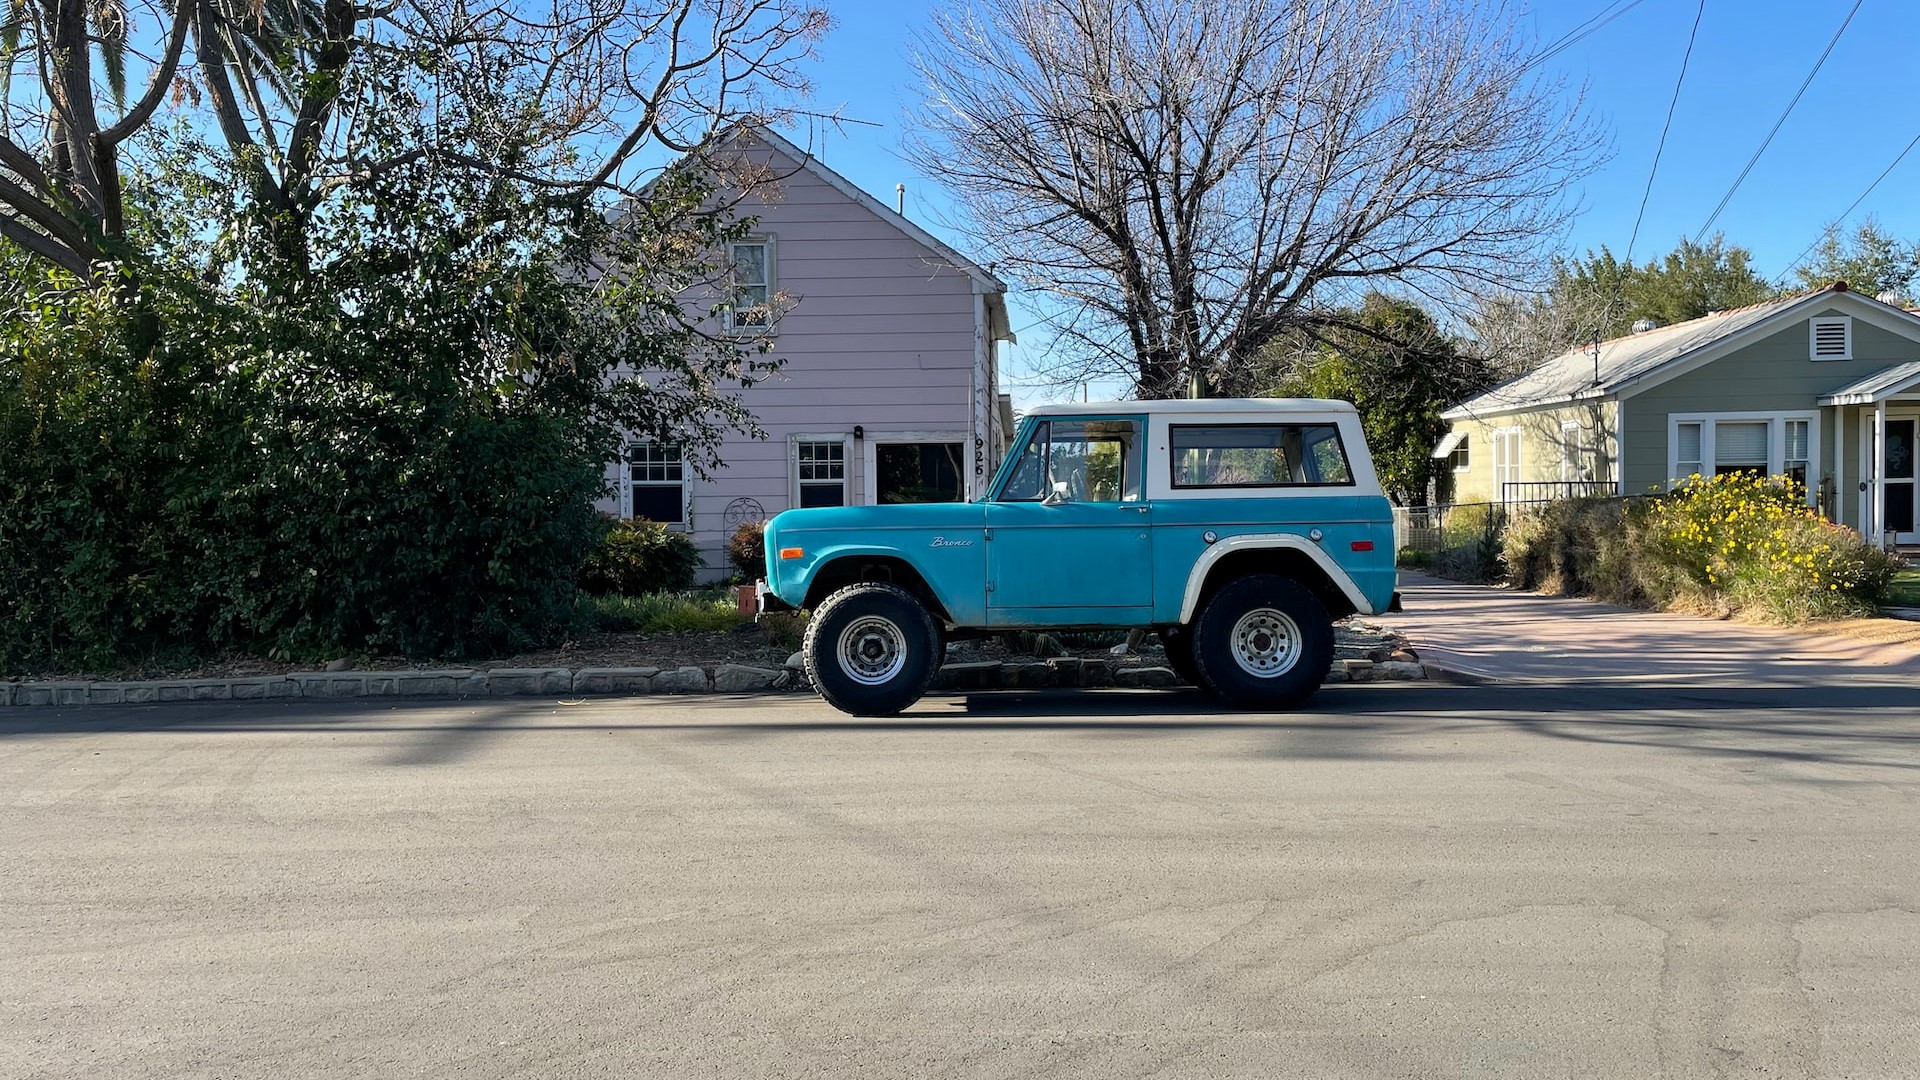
x=1197 y=578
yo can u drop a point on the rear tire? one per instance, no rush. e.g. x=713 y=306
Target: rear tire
x=1263 y=642
x=871 y=649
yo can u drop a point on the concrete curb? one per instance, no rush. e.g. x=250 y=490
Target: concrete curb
x=1070 y=673
x=1440 y=673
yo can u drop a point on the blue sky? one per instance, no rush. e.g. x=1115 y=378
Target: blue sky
x=1750 y=57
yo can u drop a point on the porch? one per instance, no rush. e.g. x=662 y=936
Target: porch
x=1875 y=422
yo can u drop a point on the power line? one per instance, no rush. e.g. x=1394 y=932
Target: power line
x=1661 y=147
x=1851 y=207
x=1620 y=281
x=1768 y=141
x=1580 y=33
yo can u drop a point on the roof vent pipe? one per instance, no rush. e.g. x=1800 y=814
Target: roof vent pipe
x=900 y=199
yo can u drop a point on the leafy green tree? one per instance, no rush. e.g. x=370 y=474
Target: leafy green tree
x=1870 y=261
x=1401 y=370
x=1600 y=293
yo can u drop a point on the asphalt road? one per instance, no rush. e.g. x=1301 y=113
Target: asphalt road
x=1410 y=881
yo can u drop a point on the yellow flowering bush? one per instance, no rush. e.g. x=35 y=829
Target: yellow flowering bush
x=1747 y=541
x=1739 y=542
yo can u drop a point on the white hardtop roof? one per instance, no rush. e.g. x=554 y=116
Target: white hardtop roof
x=1202 y=407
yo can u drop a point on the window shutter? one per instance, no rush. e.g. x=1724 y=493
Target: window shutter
x=1743 y=443
x=1832 y=339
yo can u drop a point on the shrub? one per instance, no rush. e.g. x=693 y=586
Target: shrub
x=747 y=550
x=1743 y=541
x=1470 y=544
x=664 y=613
x=637 y=557
x=1722 y=544
x=1580 y=547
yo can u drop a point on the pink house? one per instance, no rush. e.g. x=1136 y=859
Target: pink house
x=892 y=349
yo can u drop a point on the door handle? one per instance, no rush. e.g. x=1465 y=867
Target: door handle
x=1139 y=508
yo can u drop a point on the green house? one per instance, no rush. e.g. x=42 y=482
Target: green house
x=1822 y=386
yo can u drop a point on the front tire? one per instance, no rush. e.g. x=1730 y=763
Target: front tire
x=871 y=649
x=1263 y=642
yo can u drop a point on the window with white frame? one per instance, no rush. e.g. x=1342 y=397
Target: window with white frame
x=820 y=471
x=1689 y=460
x=1573 y=464
x=657 y=479
x=752 y=282
x=1758 y=443
x=1831 y=338
x=1506 y=459
x=1461 y=459
x=1798 y=452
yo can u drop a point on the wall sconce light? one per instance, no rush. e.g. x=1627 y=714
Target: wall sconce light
x=859 y=432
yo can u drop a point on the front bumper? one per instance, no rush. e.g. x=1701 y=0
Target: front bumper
x=766 y=601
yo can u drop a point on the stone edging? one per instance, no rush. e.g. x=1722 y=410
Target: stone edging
x=562 y=682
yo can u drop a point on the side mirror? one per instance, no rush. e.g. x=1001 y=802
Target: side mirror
x=1059 y=494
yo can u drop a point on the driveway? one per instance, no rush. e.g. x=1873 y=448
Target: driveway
x=1409 y=881
x=1482 y=632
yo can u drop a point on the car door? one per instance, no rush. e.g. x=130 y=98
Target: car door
x=1070 y=531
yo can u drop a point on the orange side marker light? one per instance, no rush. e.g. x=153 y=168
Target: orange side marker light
x=792 y=553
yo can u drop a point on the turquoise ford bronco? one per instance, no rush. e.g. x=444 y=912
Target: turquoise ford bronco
x=1238 y=530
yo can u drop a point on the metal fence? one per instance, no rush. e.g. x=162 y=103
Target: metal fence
x=1433 y=529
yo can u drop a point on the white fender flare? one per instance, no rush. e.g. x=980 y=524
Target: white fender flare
x=1197 y=578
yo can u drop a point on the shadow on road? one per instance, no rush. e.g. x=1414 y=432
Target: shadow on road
x=1858 y=725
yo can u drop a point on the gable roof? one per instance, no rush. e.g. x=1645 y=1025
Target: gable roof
x=1878 y=386
x=1626 y=362
x=982 y=277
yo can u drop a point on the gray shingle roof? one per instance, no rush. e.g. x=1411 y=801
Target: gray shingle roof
x=1570 y=376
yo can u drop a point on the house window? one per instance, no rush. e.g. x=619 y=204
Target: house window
x=1461 y=460
x=1740 y=446
x=658 y=478
x=820 y=469
x=1572 y=467
x=752 y=280
x=1506 y=460
x=1687 y=449
x=1798 y=450
x=1758 y=443
x=918 y=472
x=1831 y=339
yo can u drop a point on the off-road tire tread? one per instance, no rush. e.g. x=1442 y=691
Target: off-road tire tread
x=906 y=689
x=1212 y=649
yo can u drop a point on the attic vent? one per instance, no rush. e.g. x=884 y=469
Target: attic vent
x=1832 y=338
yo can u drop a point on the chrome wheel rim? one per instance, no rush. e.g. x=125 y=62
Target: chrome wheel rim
x=1266 y=643
x=872 y=650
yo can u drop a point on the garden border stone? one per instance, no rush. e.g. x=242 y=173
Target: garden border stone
x=1069 y=672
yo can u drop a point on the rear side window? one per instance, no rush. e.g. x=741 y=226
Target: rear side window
x=1258 y=455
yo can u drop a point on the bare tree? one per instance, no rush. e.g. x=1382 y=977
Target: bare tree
x=1193 y=179
x=578 y=97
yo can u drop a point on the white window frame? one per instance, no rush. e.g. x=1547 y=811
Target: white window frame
x=870 y=459
x=770 y=327
x=1508 y=457
x=1776 y=443
x=846 y=465
x=1573 y=452
x=627 y=483
x=1813 y=337
x=1460 y=458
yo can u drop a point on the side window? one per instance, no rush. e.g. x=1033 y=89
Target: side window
x=1258 y=455
x=1097 y=460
